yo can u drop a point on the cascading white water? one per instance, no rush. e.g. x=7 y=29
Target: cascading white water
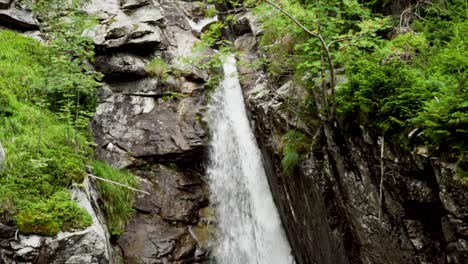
x=250 y=230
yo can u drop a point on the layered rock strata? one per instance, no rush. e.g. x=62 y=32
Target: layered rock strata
x=149 y=121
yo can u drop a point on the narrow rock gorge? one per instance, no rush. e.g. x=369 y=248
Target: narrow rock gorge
x=339 y=206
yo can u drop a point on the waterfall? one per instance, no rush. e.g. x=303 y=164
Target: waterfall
x=250 y=230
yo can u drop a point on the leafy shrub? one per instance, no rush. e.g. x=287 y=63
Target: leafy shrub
x=385 y=97
x=416 y=80
x=294 y=144
x=157 y=67
x=44 y=155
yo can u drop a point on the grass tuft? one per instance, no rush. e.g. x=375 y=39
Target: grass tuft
x=118 y=200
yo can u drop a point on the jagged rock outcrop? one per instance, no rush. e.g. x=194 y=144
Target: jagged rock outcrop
x=90 y=245
x=14 y=14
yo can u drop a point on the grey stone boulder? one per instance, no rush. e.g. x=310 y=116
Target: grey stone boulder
x=145 y=127
x=139 y=26
x=150 y=14
x=17 y=16
x=158 y=232
x=86 y=246
x=245 y=43
x=144 y=34
x=121 y=66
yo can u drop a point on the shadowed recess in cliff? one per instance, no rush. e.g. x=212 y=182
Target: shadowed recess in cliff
x=250 y=230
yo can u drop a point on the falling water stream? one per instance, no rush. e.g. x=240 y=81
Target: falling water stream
x=250 y=230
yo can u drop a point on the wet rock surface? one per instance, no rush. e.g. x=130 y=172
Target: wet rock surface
x=159 y=233
x=331 y=206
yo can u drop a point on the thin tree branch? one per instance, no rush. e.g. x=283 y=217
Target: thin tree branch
x=293 y=19
x=381 y=176
x=345 y=38
x=117 y=183
x=325 y=47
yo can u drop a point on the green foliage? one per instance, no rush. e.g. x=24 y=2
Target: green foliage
x=384 y=96
x=70 y=82
x=48 y=217
x=416 y=80
x=118 y=200
x=294 y=144
x=157 y=67
x=172 y=96
x=42 y=155
x=346 y=26
x=213 y=35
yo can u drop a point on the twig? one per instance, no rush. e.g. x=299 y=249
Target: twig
x=319 y=36
x=117 y=183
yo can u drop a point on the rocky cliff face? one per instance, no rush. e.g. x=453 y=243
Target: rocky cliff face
x=331 y=204
x=150 y=123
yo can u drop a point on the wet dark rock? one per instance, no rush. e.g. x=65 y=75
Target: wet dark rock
x=178 y=195
x=149 y=239
x=241 y=26
x=7 y=231
x=5 y=4
x=158 y=232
